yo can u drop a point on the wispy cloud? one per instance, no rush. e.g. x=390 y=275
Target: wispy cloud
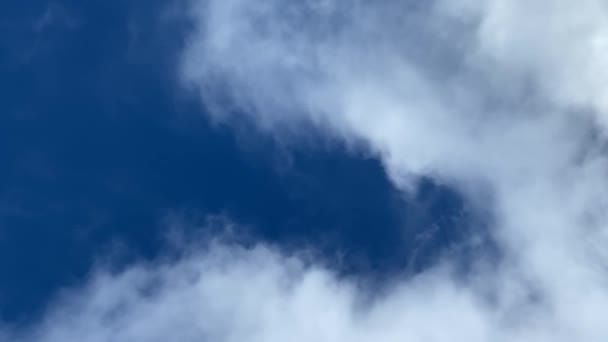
x=504 y=100
x=55 y=15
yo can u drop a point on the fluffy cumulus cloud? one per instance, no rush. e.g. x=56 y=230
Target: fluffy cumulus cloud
x=234 y=294
x=504 y=100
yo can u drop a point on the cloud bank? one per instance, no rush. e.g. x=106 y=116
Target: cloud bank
x=503 y=100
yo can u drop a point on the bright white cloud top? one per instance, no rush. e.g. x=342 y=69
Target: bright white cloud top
x=505 y=100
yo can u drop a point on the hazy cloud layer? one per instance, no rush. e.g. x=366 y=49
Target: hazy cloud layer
x=504 y=100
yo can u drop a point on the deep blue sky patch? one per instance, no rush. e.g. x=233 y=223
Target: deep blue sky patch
x=99 y=144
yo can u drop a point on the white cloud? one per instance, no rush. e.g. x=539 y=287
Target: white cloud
x=233 y=294
x=500 y=97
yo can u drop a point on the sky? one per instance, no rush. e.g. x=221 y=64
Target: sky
x=317 y=170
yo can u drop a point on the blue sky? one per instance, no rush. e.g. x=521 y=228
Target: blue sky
x=325 y=170
x=101 y=145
